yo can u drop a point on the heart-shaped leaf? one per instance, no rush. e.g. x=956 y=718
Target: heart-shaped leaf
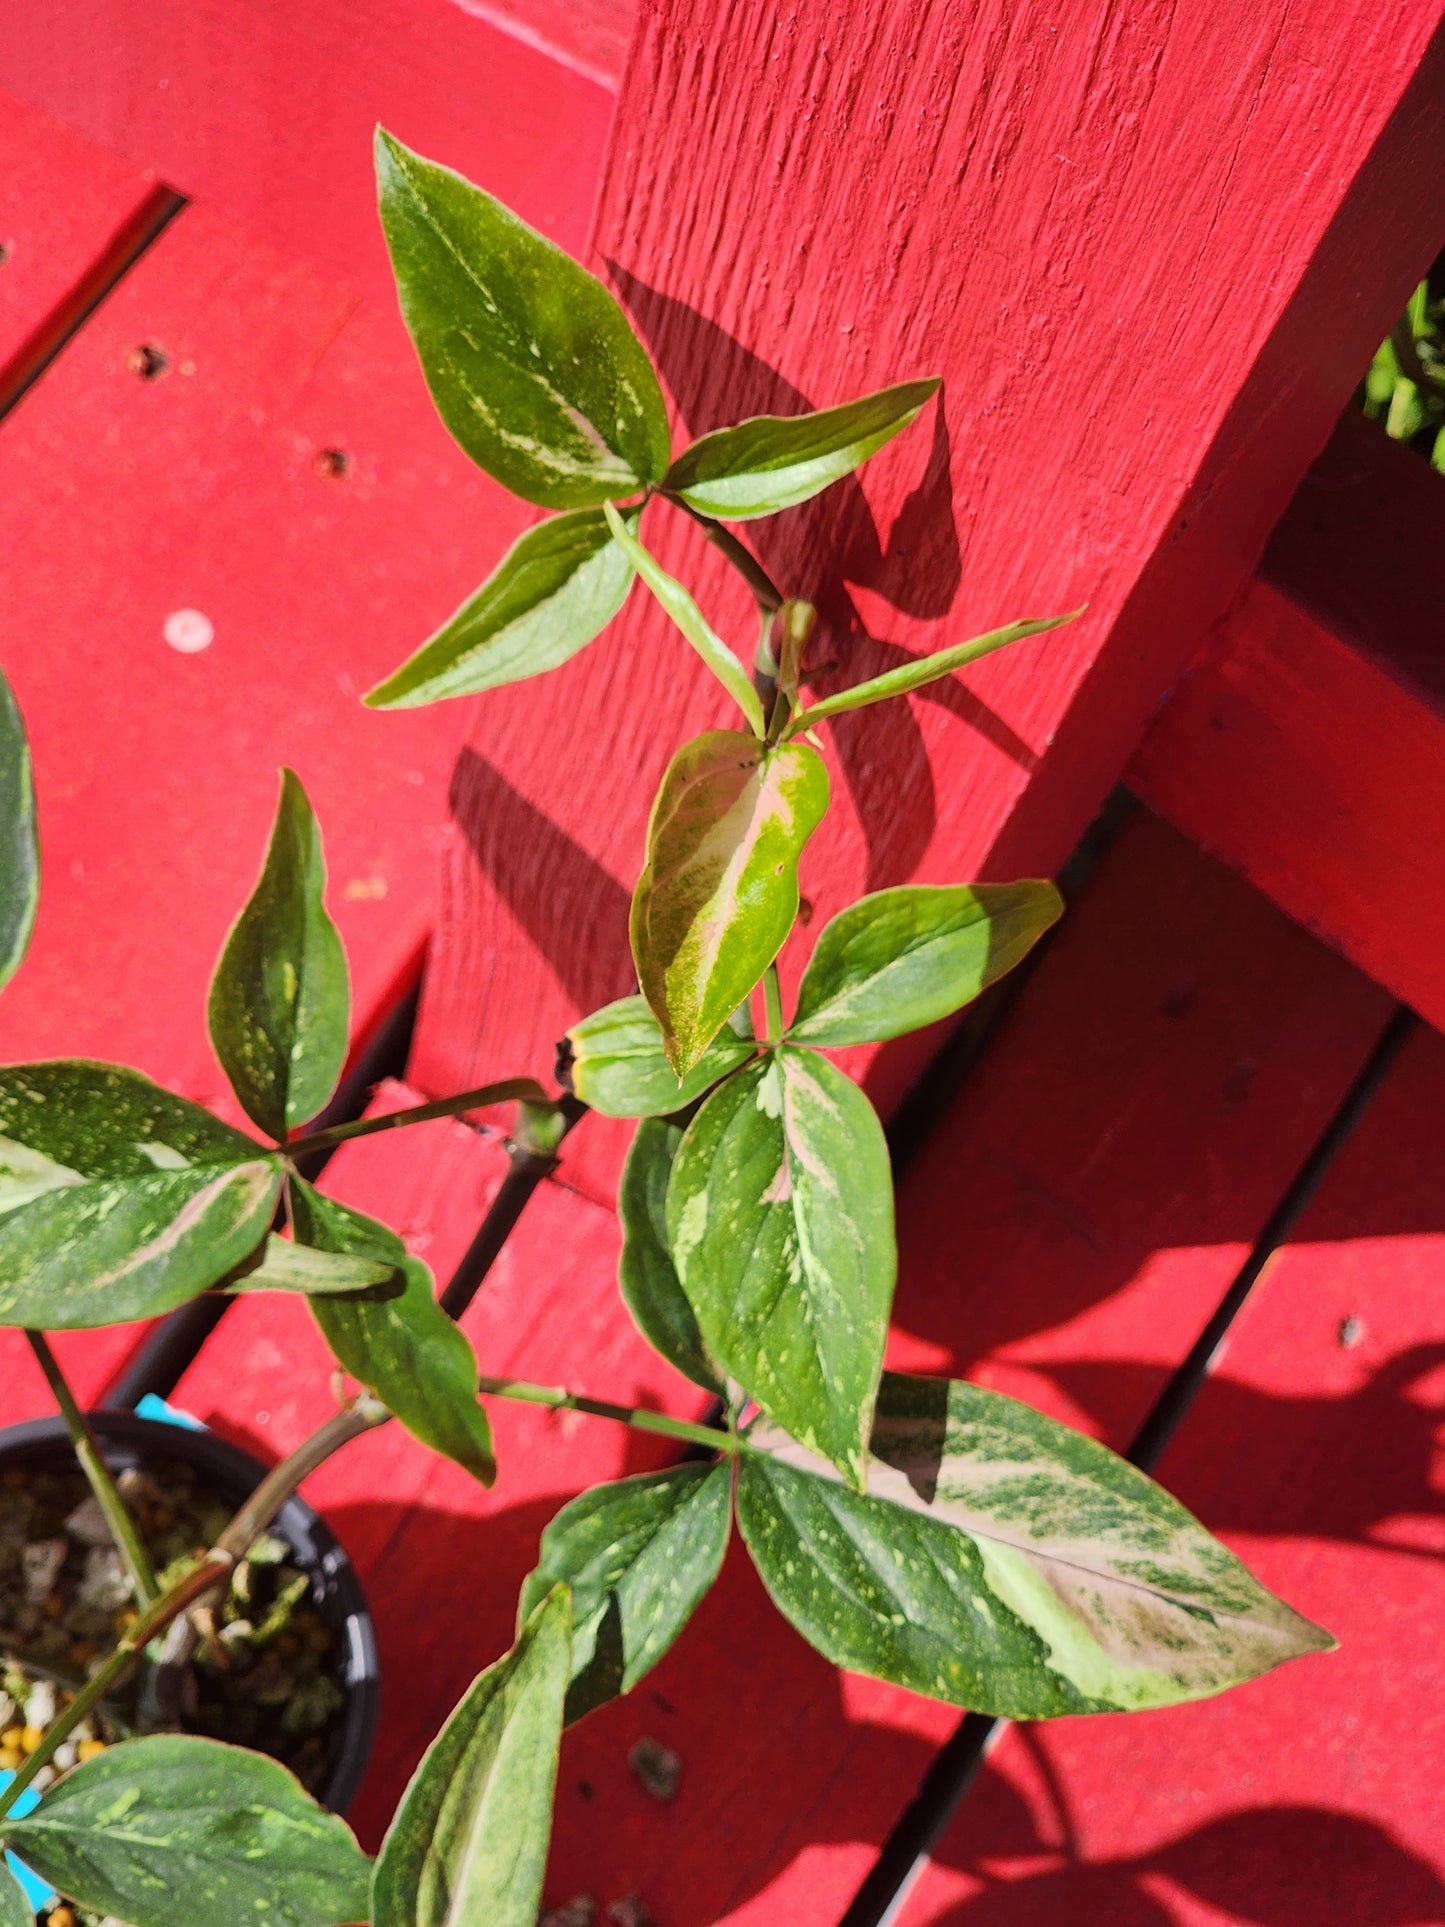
x=280 y=1005
x=555 y=589
x=902 y=958
x=648 y=1279
x=719 y=892
x=772 y=462
x=618 y=1065
x=405 y=1350
x=19 y=846
x=638 y=1554
x=531 y=363
x=780 y=1217
x=170 y=1831
x=287 y=1266
x=1004 y=1562
x=924 y=669
x=468 y=1845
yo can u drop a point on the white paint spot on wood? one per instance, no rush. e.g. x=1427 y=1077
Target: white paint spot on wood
x=188 y=631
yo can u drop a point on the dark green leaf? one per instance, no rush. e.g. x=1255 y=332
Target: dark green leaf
x=719 y=892
x=780 y=1217
x=638 y=1554
x=531 y=363
x=924 y=669
x=902 y=958
x=650 y=1286
x=280 y=1005
x=679 y=604
x=405 y=1350
x=1006 y=1563
x=15 y=1909
x=468 y=1846
x=172 y=1831
x=557 y=587
x=287 y=1266
x=105 y=1121
x=619 y=1066
x=19 y=847
x=772 y=462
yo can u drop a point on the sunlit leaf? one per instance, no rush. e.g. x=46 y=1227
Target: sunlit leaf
x=19 y=847
x=772 y=462
x=468 y=1845
x=638 y=1554
x=531 y=363
x=618 y=1064
x=280 y=1003
x=719 y=892
x=287 y=1266
x=902 y=958
x=780 y=1217
x=555 y=589
x=1006 y=1563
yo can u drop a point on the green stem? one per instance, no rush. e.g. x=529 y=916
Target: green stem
x=772 y=1006
x=123 y=1528
x=200 y=1579
x=633 y=1415
x=523 y=1087
x=766 y=593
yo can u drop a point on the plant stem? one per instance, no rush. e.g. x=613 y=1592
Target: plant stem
x=766 y=593
x=200 y=1579
x=772 y=1006
x=524 y=1087
x=633 y=1415
x=362 y=1414
x=123 y=1528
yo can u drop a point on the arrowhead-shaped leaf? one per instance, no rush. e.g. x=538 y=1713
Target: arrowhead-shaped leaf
x=638 y=1555
x=171 y=1831
x=902 y=958
x=405 y=1350
x=280 y=1004
x=287 y=1266
x=619 y=1067
x=780 y=1216
x=118 y=1200
x=646 y=1274
x=719 y=892
x=19 y=847
x=1006 y=1563
x=679 y=604
x=531 y=363
x=555 y=589
x=924 y=669
x=772 y=462
x=468 y=1846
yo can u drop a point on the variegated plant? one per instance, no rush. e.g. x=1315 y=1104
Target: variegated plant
x=925 y=1531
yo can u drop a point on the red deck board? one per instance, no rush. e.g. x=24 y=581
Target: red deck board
x=1314 y=1794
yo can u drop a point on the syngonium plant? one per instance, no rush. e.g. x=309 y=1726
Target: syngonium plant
x=922 y=1530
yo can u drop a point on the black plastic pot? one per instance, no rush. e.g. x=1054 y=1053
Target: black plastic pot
x=336 y=1595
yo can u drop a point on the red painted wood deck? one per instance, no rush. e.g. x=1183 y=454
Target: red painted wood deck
x=1091 y=1187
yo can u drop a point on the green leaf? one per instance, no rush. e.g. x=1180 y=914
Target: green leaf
x=619 y=1066
x=120 y=1201
x=287 y=1266
x=646 y=1274
x=638 y=1555
x=531 y=363
x=902 y=958
x=719 y=892
x=19 y=845
x=1003 y=1562
x=280 y=1005
x=691 y=621
x=468 y=1846
x=923 y=669
x=405 y=1350
x=170 y=1830
x=772 y=462
x=780 y=1217
x=15 y=1909
x=555 y=589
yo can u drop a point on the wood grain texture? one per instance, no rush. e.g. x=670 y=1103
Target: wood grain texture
x=264 y=109
x=1307 y=743
x=1149 y=250
x=1313 y=1794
